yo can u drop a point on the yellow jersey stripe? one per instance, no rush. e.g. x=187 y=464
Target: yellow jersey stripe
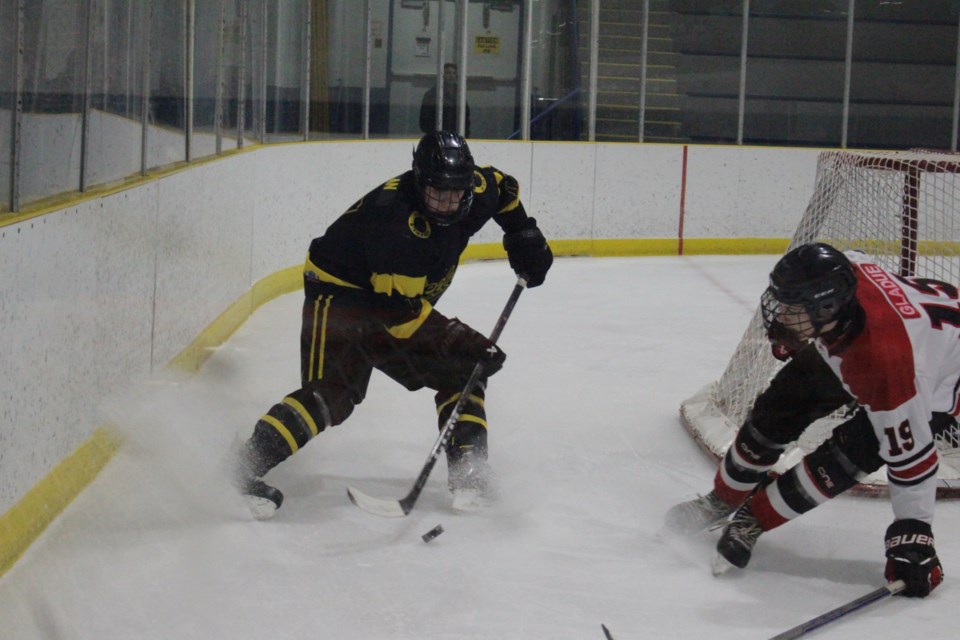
x=513 y=204
x=276 y=424
x=407 y=329
x=299 y=408
x=316 y=273
x=477 y=400
x=469 y=418
x=404 y=285
x=323 y=337
x=313 y=340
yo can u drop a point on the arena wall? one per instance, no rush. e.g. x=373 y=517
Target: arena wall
x=126 y=283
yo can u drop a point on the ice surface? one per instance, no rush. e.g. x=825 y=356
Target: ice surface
x=587 y=441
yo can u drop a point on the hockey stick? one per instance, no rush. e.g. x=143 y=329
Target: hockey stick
x=398 y=508
x=889 y=589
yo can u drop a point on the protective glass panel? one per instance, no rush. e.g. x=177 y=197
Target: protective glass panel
x=494 y=74
x=52 y=98
x=8 y=52
x=286 y=62
x=254 y=70
x=117 y=64
x=557 y=100
x=795 y=72
x=619 y=67
x=206 y=65
x=337 y=68
x=584 y=21
x=227 y=109
x=706 y=37
x=417 y=47
x=166 y=133
x=216 y=50
x=412 y=72
x=903 y=75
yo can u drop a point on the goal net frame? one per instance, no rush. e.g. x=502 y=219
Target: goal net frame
x=900 y=207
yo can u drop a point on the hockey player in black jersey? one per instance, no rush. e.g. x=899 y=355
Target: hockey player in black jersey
x=371 y=282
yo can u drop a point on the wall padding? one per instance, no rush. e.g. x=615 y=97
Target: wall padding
x=114 y=287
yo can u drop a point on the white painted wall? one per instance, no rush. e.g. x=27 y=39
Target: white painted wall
x=112 y=288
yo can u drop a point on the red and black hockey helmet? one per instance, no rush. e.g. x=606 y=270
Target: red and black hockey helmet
x=816 y=279
x=442 y=160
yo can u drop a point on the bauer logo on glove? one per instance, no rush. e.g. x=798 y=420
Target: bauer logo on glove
x=912 y=558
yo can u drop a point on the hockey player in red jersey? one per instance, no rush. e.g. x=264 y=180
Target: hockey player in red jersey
x=371 y=282
x=854 y=335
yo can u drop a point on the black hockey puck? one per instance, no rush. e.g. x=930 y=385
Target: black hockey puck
x=433 y=533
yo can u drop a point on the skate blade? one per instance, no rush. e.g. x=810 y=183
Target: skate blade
x=685 y=528
x=261 y=508
x=467 y=500
x=721 y=565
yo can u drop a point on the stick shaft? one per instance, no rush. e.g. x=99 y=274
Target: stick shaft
x=876 y=595
x=395 y=508
x=444 y=438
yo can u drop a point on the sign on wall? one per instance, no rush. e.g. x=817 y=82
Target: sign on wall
x=493 y=36
x=486 y=44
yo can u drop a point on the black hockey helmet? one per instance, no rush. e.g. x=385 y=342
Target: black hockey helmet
x=812 y=291
x=442 y=160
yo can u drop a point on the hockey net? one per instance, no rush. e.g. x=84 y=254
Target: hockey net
x=903 y=208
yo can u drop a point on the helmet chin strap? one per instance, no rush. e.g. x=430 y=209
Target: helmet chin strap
x=846 y=329
x=836 y=333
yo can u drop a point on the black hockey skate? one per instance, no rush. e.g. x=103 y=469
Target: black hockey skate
x=698 y=514
x=736 y=544
x=472 y=482
x=262 y=499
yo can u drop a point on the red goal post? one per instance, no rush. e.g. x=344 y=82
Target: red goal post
x=901 y=207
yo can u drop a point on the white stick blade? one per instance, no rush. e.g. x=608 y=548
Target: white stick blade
x=376 y=506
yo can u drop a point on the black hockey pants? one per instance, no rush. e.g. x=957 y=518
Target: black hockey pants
x=340 y=345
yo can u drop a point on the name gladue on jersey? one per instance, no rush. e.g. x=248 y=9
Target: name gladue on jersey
x=891 y=289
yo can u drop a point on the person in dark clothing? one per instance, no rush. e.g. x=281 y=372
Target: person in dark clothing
x=428 y=107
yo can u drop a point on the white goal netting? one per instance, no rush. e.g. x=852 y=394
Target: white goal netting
x=901 y=207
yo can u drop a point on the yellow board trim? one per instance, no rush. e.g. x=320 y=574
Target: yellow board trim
x=635 y=247
x=23 y=523
x=31 y=515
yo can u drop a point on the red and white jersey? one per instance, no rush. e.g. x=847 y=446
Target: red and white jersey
x=903 y=366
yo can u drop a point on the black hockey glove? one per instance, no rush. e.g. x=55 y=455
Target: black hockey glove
x=912 y=558
x=456 y=340
x=529 y=254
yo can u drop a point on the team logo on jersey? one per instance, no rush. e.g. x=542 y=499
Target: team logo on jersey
x=479 y=182
x=434 y=290
x=891 y=290
x=419 y=225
